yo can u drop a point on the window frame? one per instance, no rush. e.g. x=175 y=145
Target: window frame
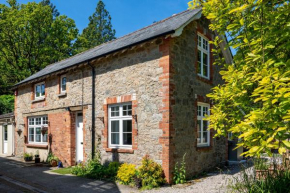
x=120 y=118
x=201 y=118
x=34 y=126
x=202 y=50
x=61 y=77
x=40 y=96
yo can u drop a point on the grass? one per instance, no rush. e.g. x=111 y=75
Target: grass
x=63 y=171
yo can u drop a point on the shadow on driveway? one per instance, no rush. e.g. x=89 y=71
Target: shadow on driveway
x=40 y=177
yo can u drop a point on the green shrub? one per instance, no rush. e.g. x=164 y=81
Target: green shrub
x=113 y=168
x=126 y=173
x=51 y=157
x=150 y=173
x=180 y=173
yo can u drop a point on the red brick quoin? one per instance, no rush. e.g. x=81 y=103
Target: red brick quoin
x=166 y=124
x=116 y=100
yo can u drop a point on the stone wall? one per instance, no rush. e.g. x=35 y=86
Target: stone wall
x=190 y=89
x=61 y=119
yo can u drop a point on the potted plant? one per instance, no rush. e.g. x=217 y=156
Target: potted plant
x=27 y=156
x=52 y=160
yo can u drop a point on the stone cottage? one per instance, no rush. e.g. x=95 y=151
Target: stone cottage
x=143 y=93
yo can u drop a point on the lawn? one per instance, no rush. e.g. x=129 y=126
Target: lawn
x=63 y=171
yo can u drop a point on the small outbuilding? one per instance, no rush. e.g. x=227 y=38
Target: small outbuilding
x=7 y=134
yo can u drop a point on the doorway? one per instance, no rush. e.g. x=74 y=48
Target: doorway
x=79 y=137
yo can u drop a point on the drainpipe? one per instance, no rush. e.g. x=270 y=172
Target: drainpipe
x=93 y=108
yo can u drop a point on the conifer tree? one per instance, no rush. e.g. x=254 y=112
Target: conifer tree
x=98 y=31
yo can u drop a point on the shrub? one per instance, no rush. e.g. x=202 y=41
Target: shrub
x=113 y=168
x=150 y=173
x=180 y=173
x=51 y=157
x=126 y=173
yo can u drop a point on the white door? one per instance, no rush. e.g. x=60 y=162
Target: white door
x=79 y=137
x=5 y=139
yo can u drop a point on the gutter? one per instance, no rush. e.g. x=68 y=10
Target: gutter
x=93 y=108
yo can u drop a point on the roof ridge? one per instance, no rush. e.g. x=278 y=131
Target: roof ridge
x=158 y=22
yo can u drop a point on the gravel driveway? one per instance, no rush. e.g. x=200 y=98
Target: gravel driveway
x=215 y=182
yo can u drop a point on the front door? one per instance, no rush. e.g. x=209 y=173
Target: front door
x=79 y=137
x=5 y=139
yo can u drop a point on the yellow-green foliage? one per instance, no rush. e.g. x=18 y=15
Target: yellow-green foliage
x=150 y=173
x=254 y=102
x=126 y=173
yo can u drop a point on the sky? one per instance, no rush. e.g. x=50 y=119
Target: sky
x=127 y=15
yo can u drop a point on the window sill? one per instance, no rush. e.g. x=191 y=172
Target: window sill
x=38 y=100
x=116 y=150
x=42 y=146
x=203 y=147
x=62 y=94
x=205 y=80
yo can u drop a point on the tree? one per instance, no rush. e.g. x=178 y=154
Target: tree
x=30 y=39
x=6 y=104
x=254 y=102
x=55 y=12
x=98 y=31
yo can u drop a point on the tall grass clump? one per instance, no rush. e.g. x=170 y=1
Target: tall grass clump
x=266 y=176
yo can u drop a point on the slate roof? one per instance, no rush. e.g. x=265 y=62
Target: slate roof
x=166 y=26
x=8 y=115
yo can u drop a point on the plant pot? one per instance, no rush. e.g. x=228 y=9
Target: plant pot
x=53 y=163
x=36 y=156
x=26 y=159
x=37 y=160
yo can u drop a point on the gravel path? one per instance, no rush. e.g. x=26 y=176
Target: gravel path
x=216 y=182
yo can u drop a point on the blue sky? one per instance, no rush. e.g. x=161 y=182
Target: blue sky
x=127 y=15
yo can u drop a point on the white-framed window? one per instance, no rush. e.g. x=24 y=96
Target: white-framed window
x=5 y=132
x=120 y=125
x=63 y=84
x=203 y=67
x=35 y=127
x=39 y=90
x=203 y=134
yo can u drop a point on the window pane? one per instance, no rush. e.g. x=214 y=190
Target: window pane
x=44 y=121
x=38 y=121
x=127 y=126
x=37 y=90
x=204 y=137
x=205 y=65
x=31 y=134
x=199 y=62
x=45 y=137
x=205 y=111
x=127 y=138
x=114 y=111
x=127 y=110
x=198 y=125
x=5 y=133
x=63 y=84
x=199 y=110
x=42 y=90
x=31 y=121
x=205 y=44
x=115 y=138
x=199 y=41
x=38 y=134
x=114 y=126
